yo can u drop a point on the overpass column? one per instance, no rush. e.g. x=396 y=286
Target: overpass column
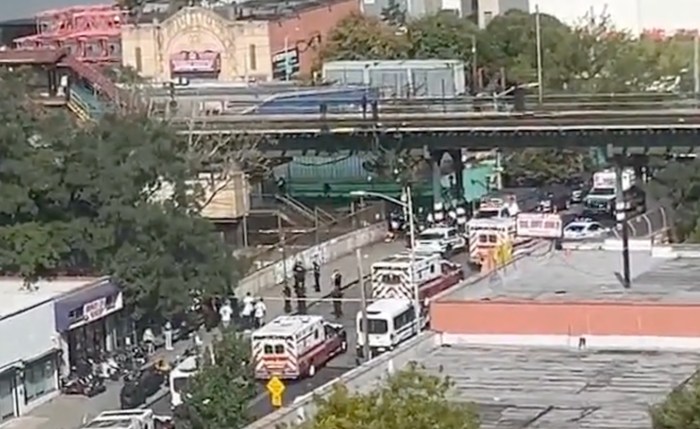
x=458 y=166
x=435 y=158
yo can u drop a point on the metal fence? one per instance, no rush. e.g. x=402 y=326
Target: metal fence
x=295 y=243
x=648 y=225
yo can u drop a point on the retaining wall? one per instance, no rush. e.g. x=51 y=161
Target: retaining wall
x=324 y=252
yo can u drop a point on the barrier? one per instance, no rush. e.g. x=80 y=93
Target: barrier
x=327 y=251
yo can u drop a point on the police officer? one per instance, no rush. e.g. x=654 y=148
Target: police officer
x=337 y=293
x=287 y=293
x=317 y=276
x=299 y=275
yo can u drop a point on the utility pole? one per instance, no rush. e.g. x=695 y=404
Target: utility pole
x=281 y=238
x=538 y=38
x=412 y=255
x=363 y=305
x=621 y=216
x=696 y=67
x=475 y=68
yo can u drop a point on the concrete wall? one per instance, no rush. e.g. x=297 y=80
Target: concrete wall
x=325 y=252
x=31 y=333
x=361 y=379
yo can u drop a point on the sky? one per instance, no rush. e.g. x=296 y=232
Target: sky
x=632 y=15
x=10 y=10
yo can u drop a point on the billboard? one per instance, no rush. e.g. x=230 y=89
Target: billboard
x=539 y=225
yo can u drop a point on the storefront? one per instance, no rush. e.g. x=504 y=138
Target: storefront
x=89 y=322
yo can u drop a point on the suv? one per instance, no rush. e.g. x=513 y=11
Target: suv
x=442 y=240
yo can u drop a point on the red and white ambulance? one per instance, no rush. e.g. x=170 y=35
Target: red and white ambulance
x=292 y=347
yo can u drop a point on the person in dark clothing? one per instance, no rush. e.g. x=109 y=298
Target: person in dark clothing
x=317 y=276
x=287 y=293
x=337 y=279
x=337 y=296
x=299 y=275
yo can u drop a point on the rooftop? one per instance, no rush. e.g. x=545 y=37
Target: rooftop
x=287 y=325
x=15 y=298
x=519 y=387
x=590 y=275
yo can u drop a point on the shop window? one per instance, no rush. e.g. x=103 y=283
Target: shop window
x=39 y=378
x=7 y=399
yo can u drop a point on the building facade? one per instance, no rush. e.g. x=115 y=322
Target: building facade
x=89 y=321
x=484 y=10
x=198 y=43
x=295 y=38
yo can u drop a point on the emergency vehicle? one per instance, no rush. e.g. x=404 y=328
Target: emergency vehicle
x=391 y=277
x=392 y=316
x=440 y=240
x=179 y=377
x=292 y=347
x=601 y=198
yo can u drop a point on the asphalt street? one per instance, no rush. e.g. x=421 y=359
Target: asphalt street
x=260 y=406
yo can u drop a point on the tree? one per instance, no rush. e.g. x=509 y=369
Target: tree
x=680 y=408
x=219 y=394
x=88 y=200
x=411 y=398
x=442 y=36
x=541 y=166
x=360 y=37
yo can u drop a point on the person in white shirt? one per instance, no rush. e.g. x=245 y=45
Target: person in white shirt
x=149 y=340
x=260 y=310
x=247 y=311
x=226 y=312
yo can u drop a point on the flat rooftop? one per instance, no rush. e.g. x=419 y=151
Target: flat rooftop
x=14 y=297
x=550 y=388
x=589 y=275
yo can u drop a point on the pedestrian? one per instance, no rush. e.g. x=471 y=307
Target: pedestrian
x=299 y=274
x=337 y=296
x=149 y=340
x=287 y=294
x=260 y=311
x=168 y=336
x=337 y=279
x=225 y=312
x=317 y=276
x=247 y=311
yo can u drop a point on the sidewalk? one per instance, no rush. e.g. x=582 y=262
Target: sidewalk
x=68 y=412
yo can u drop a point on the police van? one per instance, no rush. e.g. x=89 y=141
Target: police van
x=440 y=240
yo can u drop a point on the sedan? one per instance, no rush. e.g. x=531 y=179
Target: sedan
x=581 y=230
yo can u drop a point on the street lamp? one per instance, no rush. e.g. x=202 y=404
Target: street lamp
x=407 y=206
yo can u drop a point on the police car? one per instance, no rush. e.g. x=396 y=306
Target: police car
x=582 y=229
x=442 y=240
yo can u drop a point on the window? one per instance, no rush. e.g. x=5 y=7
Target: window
x=451 y=233
x=483 y=239
x=39 y=378
x=391 y=279
x=404 y=318
x=594 y=227
x=279 y=349
x=492 y=239
x=253 y=60
x=267 y=349
x=316 y=334
x=180 y=384
x=376 y=326
x=138 y=59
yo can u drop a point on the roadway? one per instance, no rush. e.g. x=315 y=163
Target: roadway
x=260 y=405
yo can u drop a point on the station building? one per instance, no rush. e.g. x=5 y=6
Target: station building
x=46 y=326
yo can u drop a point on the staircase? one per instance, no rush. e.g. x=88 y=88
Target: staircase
x=84 y=104
x=314 y=215
x=94 y=77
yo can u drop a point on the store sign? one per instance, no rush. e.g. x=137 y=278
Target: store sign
x=95 y=309
x=195 y=62
x=285 y=64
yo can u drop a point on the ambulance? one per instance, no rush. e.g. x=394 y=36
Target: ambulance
x=129 y=419
x=392 y=316
x=294 y=347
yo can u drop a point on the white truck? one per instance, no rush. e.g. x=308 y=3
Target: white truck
x=441 y=240
x=392 y=315
x=293 y=347
x=601 y=199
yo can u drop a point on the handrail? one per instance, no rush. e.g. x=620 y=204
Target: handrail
x=297 y=206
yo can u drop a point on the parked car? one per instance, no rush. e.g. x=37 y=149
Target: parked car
x=554 y=197
x=585 y=229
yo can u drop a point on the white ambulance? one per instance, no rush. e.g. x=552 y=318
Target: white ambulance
x=292 y=347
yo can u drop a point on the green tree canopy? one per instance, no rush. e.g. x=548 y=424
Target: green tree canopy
x=680 y=408
x=411 y=398
x=218 y=395
x=113 y=198
x=442 y=36
x=360 y=37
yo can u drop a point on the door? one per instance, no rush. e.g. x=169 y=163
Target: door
x=7 y=397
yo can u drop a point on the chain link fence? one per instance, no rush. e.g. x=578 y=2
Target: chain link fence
x=651 y=224
x=295 y=243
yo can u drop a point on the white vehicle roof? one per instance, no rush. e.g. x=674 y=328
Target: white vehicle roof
x=492 y=222
x=121 y=419
x=437 y=230
x=188 y=365
x=388 y=307
x=287 y=325
x=402 y=260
